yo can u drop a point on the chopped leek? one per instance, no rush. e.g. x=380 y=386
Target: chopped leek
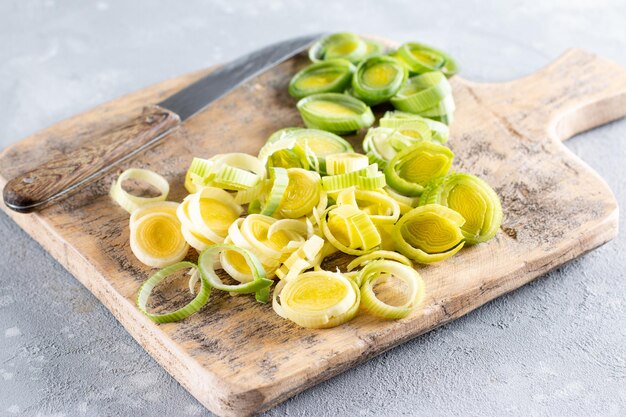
x=421 y=58
x=334 y=112
x=474 y=199
x=303 y=192
x=377 y=273
x=193 y=306
x=410 y=170
x=429 y=233
x=155 y=235
x=340 y=45
x=377 y=79
x=349 y=229
x=331 y=76
x=318 y=299
x=427 y=94
x=258 y=285
x=400 y=120
x=131 y=202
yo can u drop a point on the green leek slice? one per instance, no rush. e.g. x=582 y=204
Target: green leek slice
x=193 y=306
x=380 y=271
x=317 y=299
x=381 y=144
x=423 y=94
x=312 y=145
x=340 y=45
x=422 y=58
x=429 y=233
x=258 y=285
x=334 y=112
x=377 y=79
x=322 y=77
x=410 y=170
x=131 y=202
x=399 y=120
x=231 y=171
x=473 y=198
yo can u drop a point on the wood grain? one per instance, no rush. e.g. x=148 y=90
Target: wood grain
x=238 y=357
x=69 y=172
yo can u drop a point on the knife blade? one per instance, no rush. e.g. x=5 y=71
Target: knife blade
x=61 y=177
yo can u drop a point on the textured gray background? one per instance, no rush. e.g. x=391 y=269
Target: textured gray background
x=555 y=347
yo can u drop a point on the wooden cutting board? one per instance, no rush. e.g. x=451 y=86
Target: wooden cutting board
x=236 y=356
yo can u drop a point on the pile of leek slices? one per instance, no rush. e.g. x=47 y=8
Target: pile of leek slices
x=256 y=221
x=348 y=74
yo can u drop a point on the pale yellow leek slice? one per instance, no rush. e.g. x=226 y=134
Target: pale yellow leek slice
x=209 y=213
x=429 y=233
x=303 y=192
x=155 y=236
x=379 y=206
x=318 y=299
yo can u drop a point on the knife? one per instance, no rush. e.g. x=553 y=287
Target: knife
x=61 y=177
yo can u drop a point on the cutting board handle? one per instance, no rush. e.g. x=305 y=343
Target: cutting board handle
x=65 y=175
x=577 y=92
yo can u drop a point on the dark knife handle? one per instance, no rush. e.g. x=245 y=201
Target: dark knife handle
x=60 y=177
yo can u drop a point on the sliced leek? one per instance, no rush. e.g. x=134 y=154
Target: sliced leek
x=155 y=235
x=421 y=58
x=231 y=171
x=340 y=45
x=342 y=163
x=334 y=112
x=378 y=255
x=209 y=213
x=311 y=146
x=429 y=233
x=259 y=283
x=331 y=76
x=278 y=185
x=131 y=202
x=303 y=192
x=381 y=208
x=193 y=306
x=474 y=199
x=379 y=272
x=301 y=259
x=368 y=179
x=349 y=229
x=381 y=144
x=410 y=170
x=318 y=299
x=427 y=94
x=400 y=120
x=377 y=79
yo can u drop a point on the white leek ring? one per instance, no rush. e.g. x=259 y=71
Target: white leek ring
x=318 y=299
x=130 y=202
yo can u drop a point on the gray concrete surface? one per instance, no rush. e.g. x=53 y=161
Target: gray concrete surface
x=553 y=348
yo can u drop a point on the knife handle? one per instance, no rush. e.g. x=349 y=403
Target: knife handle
x=60 y=177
